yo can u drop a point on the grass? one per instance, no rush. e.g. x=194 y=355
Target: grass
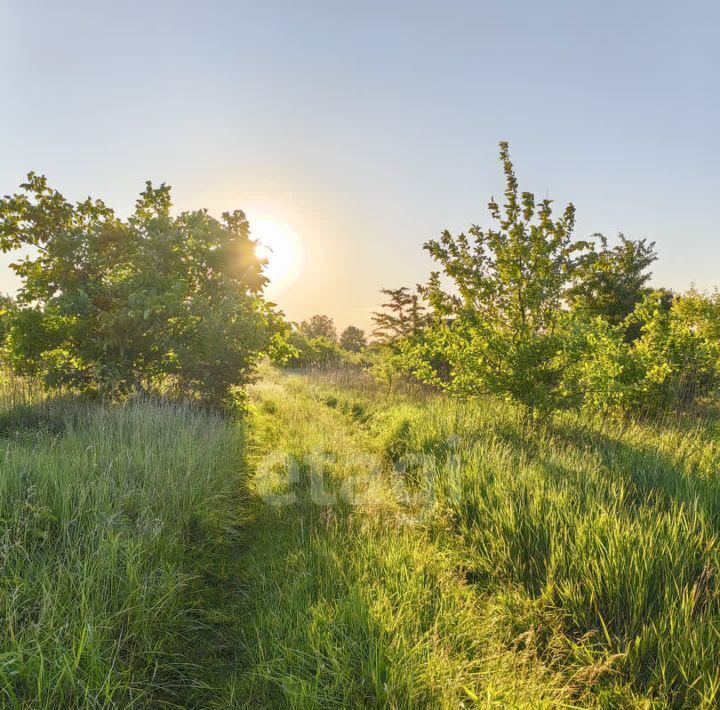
x=103 y=514
x=391 y=549
x=574 y=565
x=357 y=605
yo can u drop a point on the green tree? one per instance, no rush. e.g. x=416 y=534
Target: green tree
x=353 y=339
x=673 y=363
x=319 y=326
x=304 y=352
x=610 y=282
x=500 y=328
x=403 y=315
x=7 y=306
x=114 y=305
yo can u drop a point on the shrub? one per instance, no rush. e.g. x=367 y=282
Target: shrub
x=674 y=362
x=304 y=352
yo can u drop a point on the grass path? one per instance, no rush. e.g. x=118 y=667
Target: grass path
x=346 y=600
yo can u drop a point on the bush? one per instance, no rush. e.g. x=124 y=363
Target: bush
x=304 y=352
x=673 y=363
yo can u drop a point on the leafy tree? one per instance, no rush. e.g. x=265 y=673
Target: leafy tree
x=7 y=305
x=353 y=339
x=610 y=282
x=674 y=361
x=319 y=326
x=113 y=305
x=501 y=327
x=403 y=315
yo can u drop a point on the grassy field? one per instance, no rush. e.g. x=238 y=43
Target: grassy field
x=359 y=548
x=569 y=566
x=107 y=518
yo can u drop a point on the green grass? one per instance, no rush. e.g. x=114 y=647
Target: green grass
x=570 y=565
x=357 y=605
x=104 y=514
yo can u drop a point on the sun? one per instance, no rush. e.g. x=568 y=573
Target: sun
x=281 y=246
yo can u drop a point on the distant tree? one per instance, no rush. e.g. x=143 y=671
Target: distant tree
x=610 y=282
x=501 y=326
x=112 y=305
x=403 y=315
x=353 y=339
x=319 y=326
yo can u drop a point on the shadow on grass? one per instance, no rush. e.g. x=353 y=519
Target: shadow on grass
x=51 y=416
x=654 y=477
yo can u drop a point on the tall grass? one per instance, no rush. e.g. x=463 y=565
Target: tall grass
x=570 y=565
x=595 y=544
x=355 y=605
x=102 y=510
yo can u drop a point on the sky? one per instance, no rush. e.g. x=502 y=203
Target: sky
x=368 y=128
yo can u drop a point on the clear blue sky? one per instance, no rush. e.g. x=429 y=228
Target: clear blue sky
x=369 y=127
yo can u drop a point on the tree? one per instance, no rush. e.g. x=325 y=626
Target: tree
x=403 y=315
x=609 y=283
x=319 y=326
x=500 y=328
x=311 y=352
x=112 y=305
x=353 y=339
x=674 y=361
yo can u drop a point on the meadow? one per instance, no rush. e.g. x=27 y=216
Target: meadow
x=507 y=498
x=349 y=545
x=108 y=514
x=569 y=566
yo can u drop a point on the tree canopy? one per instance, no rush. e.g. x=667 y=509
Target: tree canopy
x=113 y=305
x=353 y=339
x=319 y=326
x=402 y=315
x=500 y=323
x=610 y=282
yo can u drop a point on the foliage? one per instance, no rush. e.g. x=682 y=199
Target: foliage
x=7 y=306
x=319 y=326
x=402 y=317
x=353 y=339
x=305 y=352
x=673 y=363
x=115 y=305
x=500 y=328
x=610 y=282
x=525 y=311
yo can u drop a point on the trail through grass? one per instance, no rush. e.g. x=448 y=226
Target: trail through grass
x=570 y=565
x=350 y=601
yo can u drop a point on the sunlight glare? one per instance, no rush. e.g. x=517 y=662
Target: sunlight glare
x=280 y=244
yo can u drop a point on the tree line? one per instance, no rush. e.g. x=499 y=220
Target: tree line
x=521 y=309
x=524 y=310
